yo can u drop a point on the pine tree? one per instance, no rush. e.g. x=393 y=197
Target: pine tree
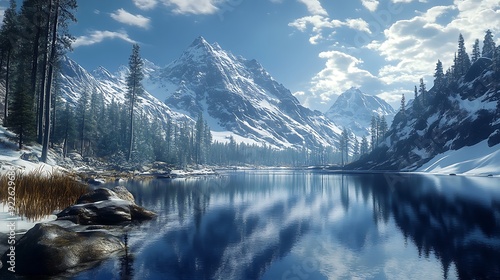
x=462 y=61
x=476 y=53
x=134 y=90
x=383 y=127
x=488 y=45
x=355 y=148
x=21 y=119
x=439 y=75
x=67 y=127
x=373 y=132
x=422 y=91
x=8 y=41
x=199 y=142
x=344 y=146
x=403 y=105
x=364 y=145
x=82 y=117
x=416 y=102
x=496 y=62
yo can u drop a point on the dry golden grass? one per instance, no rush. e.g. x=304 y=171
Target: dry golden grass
x=38 y=195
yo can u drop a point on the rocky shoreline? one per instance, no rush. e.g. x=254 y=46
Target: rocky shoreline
x=83 y=234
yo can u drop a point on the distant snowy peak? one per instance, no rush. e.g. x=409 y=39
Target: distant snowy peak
x=354 y=109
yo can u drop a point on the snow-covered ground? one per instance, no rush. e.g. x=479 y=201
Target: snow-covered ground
x=477 y=160
x=10 y=156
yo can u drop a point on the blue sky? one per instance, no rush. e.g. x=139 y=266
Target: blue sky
x=316 y=48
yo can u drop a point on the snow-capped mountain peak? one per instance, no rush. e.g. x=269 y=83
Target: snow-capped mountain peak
x=239 y=96
x=354 y=109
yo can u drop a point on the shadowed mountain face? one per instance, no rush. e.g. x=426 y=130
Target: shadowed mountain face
x=238 y=95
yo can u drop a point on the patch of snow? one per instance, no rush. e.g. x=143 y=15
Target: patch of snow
x=478 y=160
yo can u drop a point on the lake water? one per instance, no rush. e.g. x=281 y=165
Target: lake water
x=310 y=225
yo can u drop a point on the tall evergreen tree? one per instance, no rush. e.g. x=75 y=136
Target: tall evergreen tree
x=439 y=79
x=488 y=45
x=422 y=91
x=364 y=145
x=496 y=62
x=403 y=105
x=344 y=146
x=21 y=119
x=374 y=133
x=383 y=127
x=462 y=61
x=82 y=115
x=8 y=41
x=134 y=90
x=476 y=52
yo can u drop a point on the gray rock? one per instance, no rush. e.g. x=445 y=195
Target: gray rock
x=105 y=207
x=49 y=249
x=123 y=193
x=97 y=195
x=31 y=157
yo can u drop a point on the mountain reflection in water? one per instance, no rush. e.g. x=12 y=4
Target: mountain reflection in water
x=306 y=225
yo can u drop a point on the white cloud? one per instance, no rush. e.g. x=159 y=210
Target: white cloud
x=342 y=71
x=319 y=23
x=145 y=4
x=413 y=46
x=125 y=17
x=371 y=5
x=193 y=6
x=97 y=36
x=314 y=7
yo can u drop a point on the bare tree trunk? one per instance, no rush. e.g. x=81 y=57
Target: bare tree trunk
x=52 y=61
x=131 y=141
x=7 y=82
x=43 y=79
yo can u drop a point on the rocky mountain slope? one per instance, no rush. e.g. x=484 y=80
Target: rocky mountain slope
x=459 y=114
x=354 y=109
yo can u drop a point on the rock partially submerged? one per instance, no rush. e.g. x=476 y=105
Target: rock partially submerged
x=49 y=249
x=105 y=207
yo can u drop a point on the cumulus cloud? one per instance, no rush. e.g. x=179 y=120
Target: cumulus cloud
x=193 y=6
x=97 y=36
x=125 y=17
x=371 y=5
x=145 y=4
x=314 y=7
x=319 y=24
x=341 y=72
x=412 y=47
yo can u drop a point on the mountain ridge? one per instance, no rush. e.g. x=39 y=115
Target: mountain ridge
x=354 y=109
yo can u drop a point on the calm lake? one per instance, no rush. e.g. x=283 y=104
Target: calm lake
x=310 y=225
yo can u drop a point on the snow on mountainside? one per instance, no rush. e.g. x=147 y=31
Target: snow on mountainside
x=74 y=80
x=354 y=109
x=237 y=96
x=452 y=119
x=479 y=159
